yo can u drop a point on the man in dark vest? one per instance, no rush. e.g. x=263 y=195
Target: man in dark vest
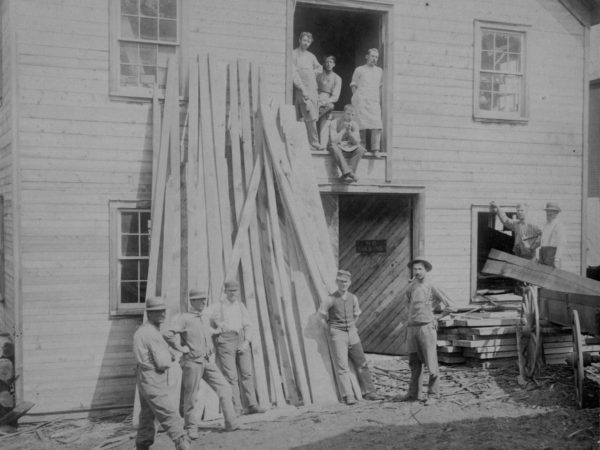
x=341 y=310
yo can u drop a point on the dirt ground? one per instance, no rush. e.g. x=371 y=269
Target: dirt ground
x=480 y=409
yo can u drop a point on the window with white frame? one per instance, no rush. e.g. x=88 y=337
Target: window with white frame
x=144 y=34
x=130 y=254
x=500 y=78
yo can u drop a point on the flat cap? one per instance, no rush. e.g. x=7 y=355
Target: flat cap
x=343 y=275
x=231 y=284
x=552 y=206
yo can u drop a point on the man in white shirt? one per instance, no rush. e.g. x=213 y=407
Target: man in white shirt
x=232 y=320
x=554 y=238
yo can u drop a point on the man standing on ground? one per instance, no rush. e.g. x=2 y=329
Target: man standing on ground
x=366 y=85
x=345 y=146
x=190 y=334
x=341 y=310
x=329 y=86
x=157 y=398
x=554 y=238
x=423 y=298
x=234 y=335
x=306 y=68
x=527 y=235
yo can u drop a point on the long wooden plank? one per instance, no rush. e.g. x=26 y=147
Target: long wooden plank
x=156 y=130
x=216 y=264
x=544 y=276
x=483 y=342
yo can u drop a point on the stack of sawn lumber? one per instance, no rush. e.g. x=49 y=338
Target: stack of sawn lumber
x=234 y=196
x=479 y=338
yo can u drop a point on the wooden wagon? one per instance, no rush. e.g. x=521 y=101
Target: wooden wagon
x=565 y=299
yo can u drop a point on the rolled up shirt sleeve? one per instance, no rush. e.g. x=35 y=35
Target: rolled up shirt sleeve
x=442 y=301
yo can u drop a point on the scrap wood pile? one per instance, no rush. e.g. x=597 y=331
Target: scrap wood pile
x=240 y=201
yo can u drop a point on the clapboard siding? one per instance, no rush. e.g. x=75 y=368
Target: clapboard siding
x=80 y=148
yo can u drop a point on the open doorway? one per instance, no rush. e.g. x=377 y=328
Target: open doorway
x=344 y=33
x=489 y=233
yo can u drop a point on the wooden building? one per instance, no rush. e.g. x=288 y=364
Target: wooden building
x=482 y=100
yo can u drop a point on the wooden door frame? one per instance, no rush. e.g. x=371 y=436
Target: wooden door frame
x=417 y=194
x=383 y=8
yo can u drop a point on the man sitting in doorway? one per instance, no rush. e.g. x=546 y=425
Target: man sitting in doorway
x=345 y=145
x=329 y=86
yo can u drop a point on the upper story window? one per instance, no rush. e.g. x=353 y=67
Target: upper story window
x=130 y=255
x=144 y=33
x=500 y=77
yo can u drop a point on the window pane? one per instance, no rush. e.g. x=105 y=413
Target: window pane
x=144 y=245
x=487 y=40
x=501 y=41
x=142 y=288
x=168 y=30
x=130 y=27
x=514 y=44
x=145 y=222
x=148 y=54
x=129 y=222
x=514 y=63
x=149 y=29
x=130 y=53
x=485 y=82
x=144 y=269
x=130 y=245
x=485 y=100
x=161 y=78
x=164 y=52
x=129 y=75
x=487 y=60
x=148 y=76
x=129 y=292
x=129 y=7
x=168 y=8
x=501 y=59
x=149 y=8
x=129 y=270
x=505 y=102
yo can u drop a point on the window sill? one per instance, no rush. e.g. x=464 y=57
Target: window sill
x=127 y=314
x=510 y=120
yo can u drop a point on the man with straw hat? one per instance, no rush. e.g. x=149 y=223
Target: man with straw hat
x=554 y=238
x=191 y=334
x=157 y=399
x=423 y=298
x=341 y=310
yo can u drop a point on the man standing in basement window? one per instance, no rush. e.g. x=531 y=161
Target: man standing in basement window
x=554 y=238
x=234 y=335
x=341 y=310
x=527 y=235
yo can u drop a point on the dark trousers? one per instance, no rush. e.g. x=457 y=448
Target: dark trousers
x=231 y=358
x=422 y=347
x=547 y=255
x=346 y=161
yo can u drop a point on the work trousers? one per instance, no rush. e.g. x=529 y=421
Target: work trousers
x=346 y=161
x=422 y=348
x=231 y=358
x=347 y=344
x=157 y=401
x=193 y=373
x=547 y=255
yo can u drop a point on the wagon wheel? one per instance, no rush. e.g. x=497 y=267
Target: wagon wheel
x=531 y=314
x=578 y=373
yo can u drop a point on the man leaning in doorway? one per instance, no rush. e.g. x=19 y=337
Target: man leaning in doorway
x=157 y=399
x=305 y=71
x=423 y=299
x=190 y=333
x=329 y=86
x=234 y=331
x=527 y=235
x=554 y=238
x=341 y=310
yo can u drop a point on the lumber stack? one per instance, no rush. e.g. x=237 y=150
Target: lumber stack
x=234 y=196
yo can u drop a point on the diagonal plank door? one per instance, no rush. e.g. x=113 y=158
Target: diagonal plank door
x=378 y=277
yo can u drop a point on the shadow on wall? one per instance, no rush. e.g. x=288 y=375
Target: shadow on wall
x=115 y=386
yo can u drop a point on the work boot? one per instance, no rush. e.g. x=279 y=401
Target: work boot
x=183 y=443
x=371 y=396
x=255 y=409
x=405 y=398
x=350 y=400
x=193 y=433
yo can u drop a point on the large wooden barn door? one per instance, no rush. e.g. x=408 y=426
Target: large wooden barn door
x=375 y=242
